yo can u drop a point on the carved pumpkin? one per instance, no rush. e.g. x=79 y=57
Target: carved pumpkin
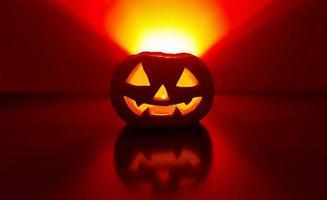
x=163 y=160
x=157 y=89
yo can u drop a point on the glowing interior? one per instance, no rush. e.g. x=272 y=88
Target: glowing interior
x=156 y=110
x=170 y=26
x=162 y=94
x=187 y=79
x=138 y=77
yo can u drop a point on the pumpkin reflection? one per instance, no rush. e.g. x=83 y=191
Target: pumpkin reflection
x=163 y=160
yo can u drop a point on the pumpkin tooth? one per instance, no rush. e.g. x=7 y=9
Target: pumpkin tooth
x=131 y=103
x=146 y=113
x=177 y=112
x=147 y=154
x=142 y=165
x=177 y=152
x=187 y=108
x=188 y=101
x=138 y=103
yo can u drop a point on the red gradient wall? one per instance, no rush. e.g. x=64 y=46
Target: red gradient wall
x=63 y=46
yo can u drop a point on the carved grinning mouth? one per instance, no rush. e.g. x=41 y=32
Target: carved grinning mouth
x=156 y=110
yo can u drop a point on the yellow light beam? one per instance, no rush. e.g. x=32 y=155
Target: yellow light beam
x=170 y=26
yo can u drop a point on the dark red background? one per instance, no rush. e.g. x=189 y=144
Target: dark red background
x=268 y=125
x=45 y=47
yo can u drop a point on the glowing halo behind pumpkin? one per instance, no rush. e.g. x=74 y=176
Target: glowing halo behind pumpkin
x=169 y=26
x=163 y=83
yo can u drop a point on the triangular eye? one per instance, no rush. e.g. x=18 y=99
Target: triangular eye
x=187 y=79
x=138 y=77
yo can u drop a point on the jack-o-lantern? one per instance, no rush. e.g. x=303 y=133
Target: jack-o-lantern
x=163 y=160
x=158 y=89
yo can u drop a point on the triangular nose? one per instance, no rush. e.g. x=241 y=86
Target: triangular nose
x=161 y=95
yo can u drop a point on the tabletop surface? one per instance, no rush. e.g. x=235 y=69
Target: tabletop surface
x=248 y=147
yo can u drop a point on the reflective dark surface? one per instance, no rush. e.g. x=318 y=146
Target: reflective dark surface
x=263 y=147
x=163 y=160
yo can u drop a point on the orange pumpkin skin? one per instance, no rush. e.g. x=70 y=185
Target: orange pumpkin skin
x=166 y=149
x=158 y=89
